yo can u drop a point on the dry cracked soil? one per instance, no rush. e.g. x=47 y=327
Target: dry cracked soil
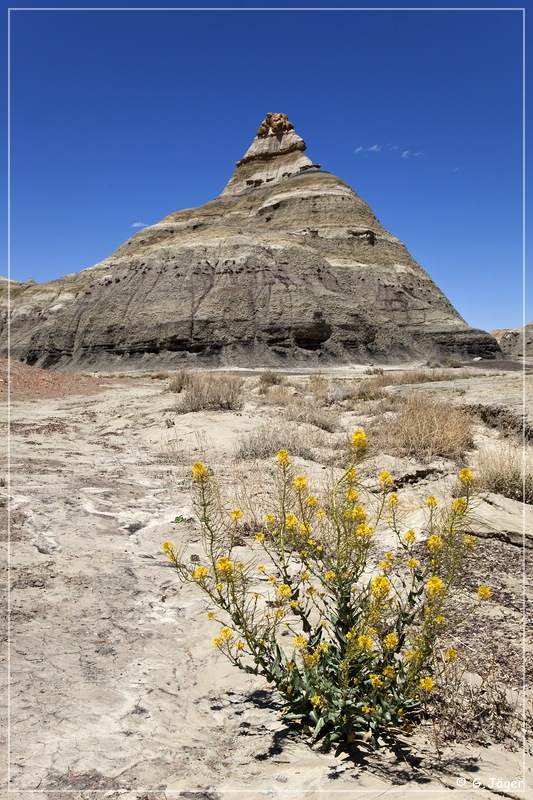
x=114 y=689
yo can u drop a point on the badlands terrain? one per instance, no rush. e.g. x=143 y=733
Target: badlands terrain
x=115 y=688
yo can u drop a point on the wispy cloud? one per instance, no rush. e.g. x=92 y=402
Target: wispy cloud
x=410 y=154
x=389 y=148
x=138 y=225
x=456 y=169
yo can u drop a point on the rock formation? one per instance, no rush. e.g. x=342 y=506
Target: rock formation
x=516 y=343
x=288 y=265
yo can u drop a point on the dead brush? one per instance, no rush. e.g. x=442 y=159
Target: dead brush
x=180 y=381
x=505 y=467
x=268 y=379
x=372 y=388
x=211 y=391
x=424 y=427
x=475 y=708
x=308 y=412
x=267 y=440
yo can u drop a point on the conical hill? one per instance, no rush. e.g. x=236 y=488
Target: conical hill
x=287 y=266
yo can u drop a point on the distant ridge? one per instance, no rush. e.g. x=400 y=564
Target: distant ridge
x=288 y=265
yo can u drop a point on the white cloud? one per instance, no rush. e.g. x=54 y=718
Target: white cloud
x=456 y=169
x=390 y=148
x=138 y=225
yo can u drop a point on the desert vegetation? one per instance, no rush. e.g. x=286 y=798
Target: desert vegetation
x=352 y=636
x=357 y=642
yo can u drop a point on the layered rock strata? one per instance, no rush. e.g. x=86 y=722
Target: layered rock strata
x=287 y=265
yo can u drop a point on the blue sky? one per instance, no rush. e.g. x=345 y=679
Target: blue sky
x=121 y=117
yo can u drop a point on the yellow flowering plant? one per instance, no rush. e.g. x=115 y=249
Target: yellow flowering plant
x=359 y=658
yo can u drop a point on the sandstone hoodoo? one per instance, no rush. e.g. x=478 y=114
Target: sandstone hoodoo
x=287 y=265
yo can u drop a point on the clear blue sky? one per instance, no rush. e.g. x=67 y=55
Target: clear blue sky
x=121 y=117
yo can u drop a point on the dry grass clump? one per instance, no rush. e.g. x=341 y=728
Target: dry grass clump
x=215 y=391
x=477 y=709
x=267 y=440
x=370 y=388
x=268 y=379
x=180 y=381
x=307 y=411
x=425 y=427
x=506 y=468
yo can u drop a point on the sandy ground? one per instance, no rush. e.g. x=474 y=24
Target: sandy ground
x=115 y=690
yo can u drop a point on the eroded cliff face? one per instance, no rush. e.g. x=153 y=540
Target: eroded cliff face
x=287 y=265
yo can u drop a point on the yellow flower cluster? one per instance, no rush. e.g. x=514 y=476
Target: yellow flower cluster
x=451 y=654
x=380 y=587
x=300 y=483
x=283 y=458
x=351 y=476
x=284 y=591
x=388 y=671
x=270 y=519
x=466 y=477
x=385 y=481
x=167 y=547
x=200 y=471
x=431 y=501
x=330 y=575
x=364 y=642
x=226 y=635
x=260 y=537
x=469 y=541
x=291 y=521
x=375 y=680
x=427 y=684
x=358 y=514
x=300 y=641
x=390 y=641
x=484 y=593
x=225 y=567
x=236 y=514
x=317 y=700
x=409 y=537
x=413 y=563
x=364 y=531
x=393 y=502
x=311 y=500
x=359 y=440
x=434 y=543
x=352 y=495
x=199 y=573
x=459 y=505
x=434 y=586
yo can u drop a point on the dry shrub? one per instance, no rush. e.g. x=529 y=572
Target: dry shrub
x=425 y=427
x=506 y=468
x=318 y=386
x=160 y=376
x=475 y=708
x=268 y=379
x=280 y=395
x=308 y=412
x=267 y=440
x=214 y=391
x=180 y=381
x=371 y=388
